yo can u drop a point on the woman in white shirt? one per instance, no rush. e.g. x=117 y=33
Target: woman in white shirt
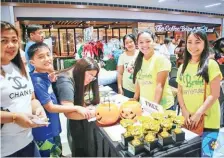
x=125 y=67
x=18 y=104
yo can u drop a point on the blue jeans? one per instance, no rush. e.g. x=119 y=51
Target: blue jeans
x=29 y=151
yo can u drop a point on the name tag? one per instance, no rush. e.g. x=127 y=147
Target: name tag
x=150 y=107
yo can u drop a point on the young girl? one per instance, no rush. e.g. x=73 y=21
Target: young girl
x=125 y=67
x=82 y=89
x=196 y=71
x=151 y=73
x=18 y=105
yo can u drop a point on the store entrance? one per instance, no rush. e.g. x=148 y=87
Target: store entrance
x=67 y=36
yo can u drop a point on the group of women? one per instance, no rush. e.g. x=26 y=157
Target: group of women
x=141 y=74
x=198 y=76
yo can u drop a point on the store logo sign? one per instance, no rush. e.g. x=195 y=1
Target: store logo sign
x=183 y=28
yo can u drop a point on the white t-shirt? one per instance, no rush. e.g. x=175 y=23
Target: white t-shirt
x=16 y=94
x=128 y=63
x=164 y=51
x=171 y=48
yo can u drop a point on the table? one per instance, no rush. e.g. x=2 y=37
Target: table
x=101 y=145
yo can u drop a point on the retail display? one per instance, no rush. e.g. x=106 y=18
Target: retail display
x=178 y=134
x=152 y=132
x=126 y=137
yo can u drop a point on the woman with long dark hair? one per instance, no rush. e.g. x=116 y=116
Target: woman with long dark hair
x=18 y=104
x=78 y=86
x=197 y=73
x=151 y=73
x=125 y=67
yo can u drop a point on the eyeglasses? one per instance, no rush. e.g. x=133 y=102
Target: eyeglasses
x=92 y=77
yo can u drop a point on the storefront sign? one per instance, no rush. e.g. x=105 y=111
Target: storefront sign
x=88 y=34
x=150 y=107
x=163 y=28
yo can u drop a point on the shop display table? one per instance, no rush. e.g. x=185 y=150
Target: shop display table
x=105 y=141
x=101 y=145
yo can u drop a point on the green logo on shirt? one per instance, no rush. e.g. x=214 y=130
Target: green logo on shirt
x=191 y=82
x=144 y=76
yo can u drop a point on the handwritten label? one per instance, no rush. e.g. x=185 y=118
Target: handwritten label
x=149 y=106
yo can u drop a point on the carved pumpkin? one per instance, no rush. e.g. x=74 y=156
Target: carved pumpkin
x=107 y=114
x=130 y=110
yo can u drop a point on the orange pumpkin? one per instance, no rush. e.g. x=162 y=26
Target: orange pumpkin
x=107 y=114
x=130 y=110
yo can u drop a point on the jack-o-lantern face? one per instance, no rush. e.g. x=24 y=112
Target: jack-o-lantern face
x=107 y=114
x=130 y=110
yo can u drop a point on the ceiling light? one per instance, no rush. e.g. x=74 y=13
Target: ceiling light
x=161 y=1
x=212 y=5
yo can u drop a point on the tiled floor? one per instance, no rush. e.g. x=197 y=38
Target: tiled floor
x=65 y=148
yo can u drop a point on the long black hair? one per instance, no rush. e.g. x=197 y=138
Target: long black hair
x=203 y=63
x=138 y=61
x=17 y=60
x=218 y=45
x=81 y=66
x=131 y=36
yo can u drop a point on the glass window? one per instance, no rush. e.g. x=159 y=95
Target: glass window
x=55 y=43
x=129 y=31
x=102 y=35
x=63 y=42
x=79 y=36
x=109 y=34
x=95 y=36
x=122 y=33
x=116 y=33
x=46 y=33
x=71 y=42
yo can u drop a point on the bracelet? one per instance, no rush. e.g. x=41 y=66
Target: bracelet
x=13 y=117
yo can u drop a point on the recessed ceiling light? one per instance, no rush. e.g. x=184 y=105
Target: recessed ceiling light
x=212 y=5
x=161 y=1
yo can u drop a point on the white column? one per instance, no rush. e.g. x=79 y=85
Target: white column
x=222 y=27
x=7 y=14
